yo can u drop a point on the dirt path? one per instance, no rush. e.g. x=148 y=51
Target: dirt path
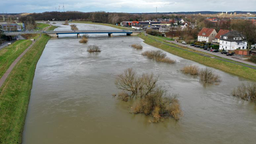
x=6 y=74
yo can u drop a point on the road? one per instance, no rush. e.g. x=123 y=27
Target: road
x=234 y=58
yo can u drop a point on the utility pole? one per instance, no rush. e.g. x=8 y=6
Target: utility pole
x=156 y=9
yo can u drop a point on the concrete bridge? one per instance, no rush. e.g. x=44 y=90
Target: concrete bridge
x=78 y=32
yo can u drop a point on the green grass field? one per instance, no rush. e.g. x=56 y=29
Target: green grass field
x=52 y=28
x=105 y=24
x=228 y=67
x=41 y=26
x=10 y=53
x=15 y=93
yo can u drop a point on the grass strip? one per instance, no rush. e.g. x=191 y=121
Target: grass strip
x=15 y=94
x=41 y=26
x=10 y=53
x=104 y=24
x=225 y=66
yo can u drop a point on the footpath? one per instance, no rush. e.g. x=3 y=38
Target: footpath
x=7 y=73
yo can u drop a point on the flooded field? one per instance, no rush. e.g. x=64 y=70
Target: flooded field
x=71 y=99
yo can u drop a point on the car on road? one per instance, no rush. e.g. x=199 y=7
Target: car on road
x=224 y=52
x=214 y=50
x=192 y=45
x=230 y=54
x=183 y=42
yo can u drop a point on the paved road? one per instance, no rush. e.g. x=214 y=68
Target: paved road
x=234 y=58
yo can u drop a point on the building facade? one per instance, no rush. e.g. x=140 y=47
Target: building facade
x=207 y=35
x=233 y=40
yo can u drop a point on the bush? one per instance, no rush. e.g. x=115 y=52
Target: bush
x=73 y=27
x=84 y=40
x=154 y=32
x=158 y=56
x=253 y=59
x=192 y=70
x=137 y=46
x=208 y=77
x=146 y=97
x=93 y=48
x=246 y=92
x=66 y=22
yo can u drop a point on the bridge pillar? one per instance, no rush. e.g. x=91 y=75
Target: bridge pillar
x=78 y=35
x=128 y=34
x=57 y=35
x=110 y=34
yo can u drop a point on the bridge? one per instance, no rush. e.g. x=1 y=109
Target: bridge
x=78 y=32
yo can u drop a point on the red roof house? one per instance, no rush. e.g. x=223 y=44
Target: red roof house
x=219 y=34
x=207 y=34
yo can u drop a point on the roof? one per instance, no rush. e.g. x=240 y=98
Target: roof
x=220 y=33
x=233 y=36
x=206 y=32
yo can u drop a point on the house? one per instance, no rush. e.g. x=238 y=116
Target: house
x=207 y=35
x=11 y=27
x=233 y=40
x=219 y=34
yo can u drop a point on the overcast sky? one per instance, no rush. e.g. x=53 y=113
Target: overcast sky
x=17 y=6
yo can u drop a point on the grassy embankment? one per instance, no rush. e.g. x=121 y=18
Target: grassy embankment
x=41 y=26
x=187 y=53
x=15 y=93
x=52 y=28
x=228 y=67
x=105 y=24
x=10 y=53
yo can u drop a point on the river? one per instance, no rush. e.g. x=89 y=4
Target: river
x=71 y=99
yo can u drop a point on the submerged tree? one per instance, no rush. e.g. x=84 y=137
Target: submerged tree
x=146 y=96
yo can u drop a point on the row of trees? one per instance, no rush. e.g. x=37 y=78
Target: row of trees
x=101 y=17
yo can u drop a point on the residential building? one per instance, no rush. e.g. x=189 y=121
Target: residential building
x=233 y=40
x=219 y=34
x=207 y=35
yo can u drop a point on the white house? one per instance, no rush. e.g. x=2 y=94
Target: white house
x=233 y=40
x=207 y=35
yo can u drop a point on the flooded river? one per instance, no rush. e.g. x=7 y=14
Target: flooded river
x=71 y=100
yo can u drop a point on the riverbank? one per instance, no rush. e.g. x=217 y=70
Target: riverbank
x=10 y=53
x=15 y=93
x=104 y=24
x=225 y=66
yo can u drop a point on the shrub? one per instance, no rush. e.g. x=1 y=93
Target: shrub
x=93 y=48
x=146 y=97
x=246 y=92
x=208 y=77
x=158 y=56
x=29 y=36
x=253 y=59
x=66 y=22
x=192 y=70
x=73 y=27
x=137 y=46
x=154 y=32
x=84 y=39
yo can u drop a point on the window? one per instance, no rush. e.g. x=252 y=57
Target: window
x=226 y=42
x=225 y=37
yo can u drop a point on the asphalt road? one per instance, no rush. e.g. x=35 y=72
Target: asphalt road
x=234 y=58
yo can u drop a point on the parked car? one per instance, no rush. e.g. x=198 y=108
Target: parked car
x=192 y=45
x=197 y=45
x=183 y=42
x=224 y=52
x=215 y=50
x=230 y=54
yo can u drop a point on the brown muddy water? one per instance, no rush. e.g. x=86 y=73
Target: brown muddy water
x=71 y=100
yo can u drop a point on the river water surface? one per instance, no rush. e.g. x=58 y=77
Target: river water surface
x=71 y=100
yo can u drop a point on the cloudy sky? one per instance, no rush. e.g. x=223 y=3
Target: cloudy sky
x=14 y=6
